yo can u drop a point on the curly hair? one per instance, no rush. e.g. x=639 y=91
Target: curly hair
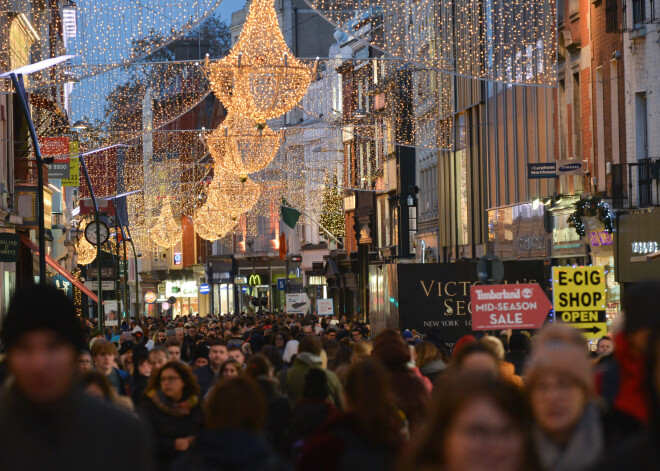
x=190 y=388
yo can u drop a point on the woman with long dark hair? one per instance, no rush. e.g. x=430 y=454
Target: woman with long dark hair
x=171 y=405
x=370 y=433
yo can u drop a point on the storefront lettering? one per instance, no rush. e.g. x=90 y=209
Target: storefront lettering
x=529 y=243
x=644 y=247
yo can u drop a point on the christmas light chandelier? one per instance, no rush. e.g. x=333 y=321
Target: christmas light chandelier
x=260 y=78
x=241 y=146
x=165 y=232
x=232 y=195
x=212 y=225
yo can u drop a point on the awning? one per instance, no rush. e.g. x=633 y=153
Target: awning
x=58 y=268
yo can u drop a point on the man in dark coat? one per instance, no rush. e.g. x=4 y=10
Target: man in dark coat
x=46 y=422
x=208 y=375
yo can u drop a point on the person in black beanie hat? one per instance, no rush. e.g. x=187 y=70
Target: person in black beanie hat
x=46 y=422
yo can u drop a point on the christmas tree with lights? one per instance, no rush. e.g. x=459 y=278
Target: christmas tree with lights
x=332 y=210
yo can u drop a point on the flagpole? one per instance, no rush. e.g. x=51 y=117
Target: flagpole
x=317 y=223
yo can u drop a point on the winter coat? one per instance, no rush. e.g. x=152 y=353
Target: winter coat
x=80 y=433
x=229 y=450
x=433 y=369
x=584 y=447
x=339 y=447
x=278 y=412
x=170 y=421
x=638 y=453
x=295 y=377
x=622 y=384
x=139 y=385
x=206 y=379
x=305 y=419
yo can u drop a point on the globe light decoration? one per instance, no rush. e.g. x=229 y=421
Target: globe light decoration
x=260 y=78
x=241 y=146
x=212 y=225
x=165 y=232
x=86 y=252
x=232 y=195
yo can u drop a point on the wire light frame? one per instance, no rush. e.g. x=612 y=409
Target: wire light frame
x=241 y=146
x=166 y=232
x=260 y=78
x=232 y=195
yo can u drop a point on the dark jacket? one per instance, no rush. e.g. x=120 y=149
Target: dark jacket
x=339 y=447
x=139 y=385
x=168 y=424
x=305 y=419
x=295 y=378
x=639 y=453
x=206 y=379
x=279 y=408
x=229 y=450
x=80 y=433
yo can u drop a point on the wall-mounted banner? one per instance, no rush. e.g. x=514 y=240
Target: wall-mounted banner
x=437 y=295
x=9 y=247
x=297 y=303
x=325 y=307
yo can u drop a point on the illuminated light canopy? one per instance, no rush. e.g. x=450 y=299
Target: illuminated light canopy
x=260 y=78
x=240 y=146
x=165 y=232
x=232 y=195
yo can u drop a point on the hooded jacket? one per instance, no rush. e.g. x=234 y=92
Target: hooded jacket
x=295 y=377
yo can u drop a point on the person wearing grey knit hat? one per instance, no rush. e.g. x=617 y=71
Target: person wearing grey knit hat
x=568 y=432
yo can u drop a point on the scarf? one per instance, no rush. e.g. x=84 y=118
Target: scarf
x=585 y=445
x=175 y=409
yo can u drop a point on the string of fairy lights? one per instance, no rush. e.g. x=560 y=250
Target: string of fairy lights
x=510 y=41
x=97 y=33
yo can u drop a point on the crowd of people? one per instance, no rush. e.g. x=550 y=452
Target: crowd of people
x=286 y=392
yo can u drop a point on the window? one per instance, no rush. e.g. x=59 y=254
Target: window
x=641 y=126
x=639 y=12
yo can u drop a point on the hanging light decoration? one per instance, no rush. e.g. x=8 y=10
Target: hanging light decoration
x=232 y=195
x=165 y=232
x=241 y=146
x=212 y=225
x=86 y=252
x=260 y=78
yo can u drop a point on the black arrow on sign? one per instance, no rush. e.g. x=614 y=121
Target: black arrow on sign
x=593 y=330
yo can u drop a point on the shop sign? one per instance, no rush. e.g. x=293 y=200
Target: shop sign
x=166 y=306
x=63 y=285
x=240 y=280
x=204 y=288
x=178 y=258
x=257 y=279
x=600 y=238
x=297 y=303
x=518 y=306
x=9 y=247
x=325 y=307
x=54 y=147
x=73 y=180
x=580 y=294
x=59 y=169
x=281 y=284
x=150 y=297
x=189 y=289
x=543 y=170
x=106 y=285
x=437 y=295
x=570 y=167
x=161 y=288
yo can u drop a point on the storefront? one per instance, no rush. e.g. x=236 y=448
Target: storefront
x=186 y=295
x=568 y=247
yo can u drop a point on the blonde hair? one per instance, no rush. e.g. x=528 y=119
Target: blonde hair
x=495 y=345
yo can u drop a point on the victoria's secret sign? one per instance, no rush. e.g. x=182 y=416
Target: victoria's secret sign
x=437 y=295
